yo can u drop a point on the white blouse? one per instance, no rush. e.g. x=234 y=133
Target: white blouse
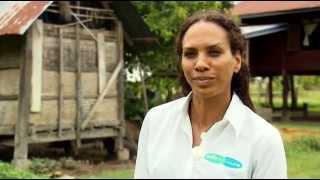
x=241 y=145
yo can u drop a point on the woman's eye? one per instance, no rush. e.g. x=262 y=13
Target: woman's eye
x=190 y=54
x=214 y=53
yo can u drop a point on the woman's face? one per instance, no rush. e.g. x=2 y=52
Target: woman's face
x=207 y=61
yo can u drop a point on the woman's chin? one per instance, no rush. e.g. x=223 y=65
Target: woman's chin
x=204 y=92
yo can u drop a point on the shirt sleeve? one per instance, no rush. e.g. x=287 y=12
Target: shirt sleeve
x=141 y=166
x=269 y=160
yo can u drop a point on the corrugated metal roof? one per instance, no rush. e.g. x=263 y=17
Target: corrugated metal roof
x=17 y=16
x=246 y=8
x=261 y=30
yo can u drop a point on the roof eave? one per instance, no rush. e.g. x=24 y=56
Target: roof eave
x=20 y=22
x=266 y=32
x=268 y=14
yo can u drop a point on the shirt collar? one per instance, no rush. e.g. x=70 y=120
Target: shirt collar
x=234 y=114
x=186 y=124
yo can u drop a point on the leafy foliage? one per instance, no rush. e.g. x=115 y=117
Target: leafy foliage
x=160 y=64
x=42 y=166
x=8 y=171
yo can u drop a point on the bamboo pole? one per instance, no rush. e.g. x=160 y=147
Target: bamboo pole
x=61 y=64
x=78 y=85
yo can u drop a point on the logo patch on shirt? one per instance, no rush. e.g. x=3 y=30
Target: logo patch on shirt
x=223 y=160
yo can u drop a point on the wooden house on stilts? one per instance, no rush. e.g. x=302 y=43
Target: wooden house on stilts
x=61 y=71
x=284 y=41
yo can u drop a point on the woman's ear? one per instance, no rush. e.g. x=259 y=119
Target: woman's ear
x=238 y=58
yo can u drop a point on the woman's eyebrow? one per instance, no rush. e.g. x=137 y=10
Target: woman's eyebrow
x=188 y=48
x=217 y=45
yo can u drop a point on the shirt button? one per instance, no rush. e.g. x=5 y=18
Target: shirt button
x=197 y=152
x=202 y=136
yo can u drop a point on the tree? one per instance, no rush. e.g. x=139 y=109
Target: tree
x=164 y=19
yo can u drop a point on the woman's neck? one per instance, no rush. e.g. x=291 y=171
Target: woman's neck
x=206 y=111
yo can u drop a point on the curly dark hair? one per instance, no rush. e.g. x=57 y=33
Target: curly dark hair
x=240 y=80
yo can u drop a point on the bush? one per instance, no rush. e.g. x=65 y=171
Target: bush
x=303 y=144
x=8 y=171
x=42 y=166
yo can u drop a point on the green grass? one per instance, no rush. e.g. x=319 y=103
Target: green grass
x=303 y=157
x=303 y=153
x=304 y=165
x=8 y=171
x=112 y=174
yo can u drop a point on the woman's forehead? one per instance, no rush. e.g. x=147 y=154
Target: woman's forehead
x=204 y=33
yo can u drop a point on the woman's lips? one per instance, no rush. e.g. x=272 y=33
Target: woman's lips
x=202 y=80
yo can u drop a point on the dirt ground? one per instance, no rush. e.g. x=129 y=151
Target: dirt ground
x=91 y=160
x=294 y=133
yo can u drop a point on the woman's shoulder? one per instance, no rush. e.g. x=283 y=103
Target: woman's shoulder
x=251 y=123
x=166 y=113
x=169 y=107
x=258 y=127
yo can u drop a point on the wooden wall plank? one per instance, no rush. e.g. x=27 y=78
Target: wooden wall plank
x=310 y=63
x=101 y=62
x=88 y=116
x=9 y=82
x=8 y=112
x=50 y=86
x=88 y=54
x=36 y=77
x=69 y=135
x=294 y=38
x=104 y=113
x=111 y=55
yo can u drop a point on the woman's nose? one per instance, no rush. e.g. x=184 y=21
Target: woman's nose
x=201 y=63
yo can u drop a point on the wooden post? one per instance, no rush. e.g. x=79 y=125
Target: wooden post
x=122 y=153
x=121 y=86
x=270 y=92
x=285 y=92
x=78 y=84
x=145 y=97
x=37 y=56
x=285 y=84
x=60 y=105
x=20 y=158
x=260 y=90
x=293 y=93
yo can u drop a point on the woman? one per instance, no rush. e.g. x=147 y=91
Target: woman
x=213 y=132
